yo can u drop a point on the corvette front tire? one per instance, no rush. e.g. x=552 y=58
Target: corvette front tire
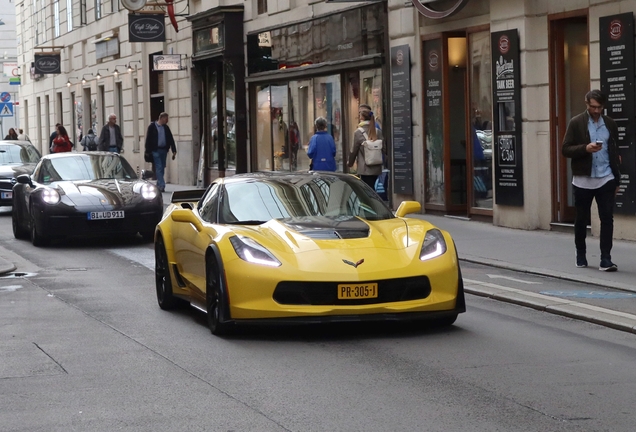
x=163 y=281
x=215 y=300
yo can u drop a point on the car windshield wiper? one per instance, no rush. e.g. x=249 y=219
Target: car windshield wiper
x=247 y=222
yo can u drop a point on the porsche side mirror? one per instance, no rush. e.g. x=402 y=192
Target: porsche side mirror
x=187 y=216
x=24 y=179
x=147 y=174
x=407 y=207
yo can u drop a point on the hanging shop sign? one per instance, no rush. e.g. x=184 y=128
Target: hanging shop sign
x=166 y=62
x=402 y=125
x=146 y=28
x=506 y=85
x=616 y=45
x=432 y=9
x=47 y=63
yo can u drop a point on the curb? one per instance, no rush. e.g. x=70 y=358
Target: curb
x=6 y=266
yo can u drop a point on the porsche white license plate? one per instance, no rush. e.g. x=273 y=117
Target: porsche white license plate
x=116 y=214
x=7 y=195
x=357 y=291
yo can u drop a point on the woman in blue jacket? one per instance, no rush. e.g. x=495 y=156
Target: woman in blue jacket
x=322 y=148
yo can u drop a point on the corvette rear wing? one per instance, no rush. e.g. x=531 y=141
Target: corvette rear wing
x=187 y=195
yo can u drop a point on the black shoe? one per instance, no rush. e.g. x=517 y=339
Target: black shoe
x=608 y=266
x=581 y=261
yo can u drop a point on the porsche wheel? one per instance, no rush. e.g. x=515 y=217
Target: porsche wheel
x=18 y=231
x=163 y=282
x=37 y=238
x=215 y=299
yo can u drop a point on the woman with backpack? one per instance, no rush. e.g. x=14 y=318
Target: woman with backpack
x=89 y=142
x=365 y=139
x=62 y=143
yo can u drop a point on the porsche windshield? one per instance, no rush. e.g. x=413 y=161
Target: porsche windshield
x=13 y=154
x=85 y=167
x=260 y=200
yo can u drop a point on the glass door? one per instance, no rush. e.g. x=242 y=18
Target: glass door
x=301 y=123
x=328 y=104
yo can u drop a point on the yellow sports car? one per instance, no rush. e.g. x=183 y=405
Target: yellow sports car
x=303 y=248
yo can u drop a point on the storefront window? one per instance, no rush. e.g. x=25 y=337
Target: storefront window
x=328 y=104
x=301 y=125
x=481 y=110
x=214 y=121
x=280 y=127
x=230 y=116
x=263 y=130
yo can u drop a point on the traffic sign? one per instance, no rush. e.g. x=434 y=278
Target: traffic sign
x=6 y=110
x=5 y=96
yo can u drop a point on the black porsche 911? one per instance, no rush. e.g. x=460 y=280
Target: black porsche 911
x=16 y=157
x=83 y=195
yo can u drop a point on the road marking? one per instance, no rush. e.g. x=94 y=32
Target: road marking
x=10 y=288
x=605 y=295
x=513 y=279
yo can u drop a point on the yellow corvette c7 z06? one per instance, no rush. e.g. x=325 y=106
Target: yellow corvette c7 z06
x=303 y=248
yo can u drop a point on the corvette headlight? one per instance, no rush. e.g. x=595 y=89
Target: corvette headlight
x=434 y=245
x=50 y=196
x=148 y=191
x=250 y=251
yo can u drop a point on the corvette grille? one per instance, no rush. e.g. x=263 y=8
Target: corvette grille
x=326 y=293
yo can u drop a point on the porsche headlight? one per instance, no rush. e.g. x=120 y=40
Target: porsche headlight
x=252 y=252
x=148 y=191
x=50 y=196
x=434 y=245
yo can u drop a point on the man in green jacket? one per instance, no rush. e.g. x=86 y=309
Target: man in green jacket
x=591 y=142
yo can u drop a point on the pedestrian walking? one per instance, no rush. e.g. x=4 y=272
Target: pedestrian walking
x=366 y=131
x=89 y=142
x=12 y=135
x=53 y=136
x=322 y=148
x=110 y=138
x=159 y=140
x=22 y=136
x=62 y=143
x=591 y=142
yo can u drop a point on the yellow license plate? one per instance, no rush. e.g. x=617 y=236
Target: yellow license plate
x=357 y=291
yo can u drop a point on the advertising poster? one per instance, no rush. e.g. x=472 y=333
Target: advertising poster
x=507 y=155
x=402 y=126
x=616 y=37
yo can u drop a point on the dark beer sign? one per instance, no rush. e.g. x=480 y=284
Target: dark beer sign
x=402 y=124
x=506 y=84
x=47 y=64
x=146 y=28
x=616 y=34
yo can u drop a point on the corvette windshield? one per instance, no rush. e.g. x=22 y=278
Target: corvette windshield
x=86 y=167
x=289 y=197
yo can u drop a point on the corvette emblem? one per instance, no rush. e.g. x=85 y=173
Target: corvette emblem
x=355 y=265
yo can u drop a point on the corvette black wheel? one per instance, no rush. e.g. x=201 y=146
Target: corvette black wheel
x=37 y=237
x=163 y=282
x=446 y=321
x=18 y=230
x=215 y=300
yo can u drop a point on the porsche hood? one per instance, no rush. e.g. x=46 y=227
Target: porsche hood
x=107 y=193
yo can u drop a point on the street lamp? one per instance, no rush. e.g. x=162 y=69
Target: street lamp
x=130 y=68
x=99 y=76
x=84 y=78
x=68 y=83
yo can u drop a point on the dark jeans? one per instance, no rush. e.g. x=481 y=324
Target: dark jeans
x=369 y=179
x=159 y=157
x=604 y=197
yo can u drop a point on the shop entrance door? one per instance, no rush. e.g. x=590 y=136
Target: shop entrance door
x=569 y=82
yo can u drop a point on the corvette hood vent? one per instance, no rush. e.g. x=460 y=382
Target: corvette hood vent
x=325 y=227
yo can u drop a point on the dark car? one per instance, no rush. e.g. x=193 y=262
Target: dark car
x=82 y=195
x=16 y=157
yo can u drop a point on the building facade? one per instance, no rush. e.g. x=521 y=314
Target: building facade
x=492 y=85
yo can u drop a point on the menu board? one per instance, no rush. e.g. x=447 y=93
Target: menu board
x=616 y=44
x=506 y=85
x=402 y=125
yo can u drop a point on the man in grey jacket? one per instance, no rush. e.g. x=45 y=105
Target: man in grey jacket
x=591 y=142
x=110 y=138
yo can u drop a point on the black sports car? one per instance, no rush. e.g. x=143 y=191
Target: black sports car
x=84 y=194
x=16 y=157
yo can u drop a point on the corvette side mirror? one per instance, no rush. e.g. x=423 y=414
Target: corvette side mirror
x=407 y=207
x=187 y=216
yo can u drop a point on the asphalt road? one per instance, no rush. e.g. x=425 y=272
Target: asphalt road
x=84 y=347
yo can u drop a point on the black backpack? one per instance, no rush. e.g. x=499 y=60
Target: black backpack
x=90 y=142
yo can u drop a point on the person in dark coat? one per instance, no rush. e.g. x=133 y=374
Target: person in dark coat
x=110 y=138
x=322 y=148
x=12 y=135
x=159 y=140
x=591 y=143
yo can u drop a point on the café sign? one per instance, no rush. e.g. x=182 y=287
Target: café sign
x=47 y=64
x=166 y=62
x=146 y=28
x=431 y=9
